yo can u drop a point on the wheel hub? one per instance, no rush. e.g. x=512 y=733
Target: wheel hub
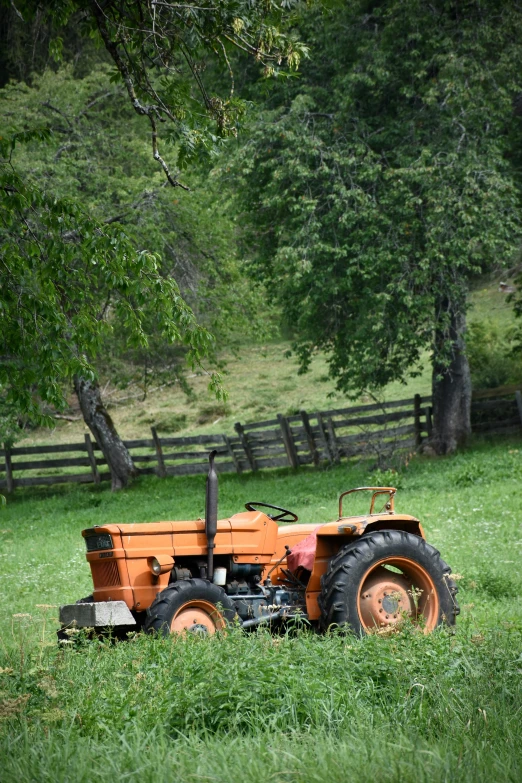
x=393 y=589
x=198 y=628
x=198 y=617
x=390 y=604
x=384 y=599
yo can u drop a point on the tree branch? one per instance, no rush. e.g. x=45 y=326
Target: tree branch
x=146 y=196
x=152 y=112
x=157 y=156
x=49 y=105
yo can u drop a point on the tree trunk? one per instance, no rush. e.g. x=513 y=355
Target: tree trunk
x=102 y=427
x=451 y=387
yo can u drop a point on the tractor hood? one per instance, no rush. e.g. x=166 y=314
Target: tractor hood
x=249 y=533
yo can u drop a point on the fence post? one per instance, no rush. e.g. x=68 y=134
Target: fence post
x=429 y=423
x=8 y=469
x=518 y=397
x=417 y=422
x=92 y=459
x=320 y=424
x=310 y=437
x=232 y=454
x=162 y=472
x=246 y=446
x=334 y=446
x=286 y=432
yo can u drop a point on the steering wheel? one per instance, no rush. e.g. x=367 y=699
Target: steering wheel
x=284 y=516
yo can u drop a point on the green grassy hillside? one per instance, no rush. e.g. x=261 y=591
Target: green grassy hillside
x=261 y=381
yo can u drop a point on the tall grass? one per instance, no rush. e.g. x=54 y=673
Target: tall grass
x=290 y=707
x=297 y=705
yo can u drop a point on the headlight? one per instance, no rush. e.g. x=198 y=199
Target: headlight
x=100 y=541
x=161 y=564
x=155 y=566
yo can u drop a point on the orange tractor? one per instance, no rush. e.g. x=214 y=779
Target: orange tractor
x=364 y=573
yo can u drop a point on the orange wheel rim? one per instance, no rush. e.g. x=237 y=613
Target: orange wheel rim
x=387 y=596
x=197 y=617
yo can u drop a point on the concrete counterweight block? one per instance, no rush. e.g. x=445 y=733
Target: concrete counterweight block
x=99 y=614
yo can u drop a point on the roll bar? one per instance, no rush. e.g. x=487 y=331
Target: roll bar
x=376 y=492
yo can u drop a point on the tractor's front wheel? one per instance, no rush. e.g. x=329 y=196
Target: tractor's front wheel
x=377 y=581
x=190 y=606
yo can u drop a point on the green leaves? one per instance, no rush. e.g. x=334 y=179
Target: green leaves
x=377 y=186
x=7 y=145
x=67 y=280
x=166 y=51
x=98 y=162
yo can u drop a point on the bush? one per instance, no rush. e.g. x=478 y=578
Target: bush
x=11 y=427
x=471 y=473
x=494 y=584
x=165 y=422
x=491 y=356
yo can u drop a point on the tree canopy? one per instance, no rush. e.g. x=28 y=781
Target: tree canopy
x=162 y=50
x=95 y=153
x=383 y=179
x=69 y=274
x=368 y=191
x=66 y=279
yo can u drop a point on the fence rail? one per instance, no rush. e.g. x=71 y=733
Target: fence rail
x=301 y=439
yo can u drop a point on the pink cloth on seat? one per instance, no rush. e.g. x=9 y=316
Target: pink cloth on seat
x=303 y=553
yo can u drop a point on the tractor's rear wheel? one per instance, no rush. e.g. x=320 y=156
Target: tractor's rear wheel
x=377 y=581
x=190 y=606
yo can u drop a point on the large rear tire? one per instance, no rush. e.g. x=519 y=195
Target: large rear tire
x=373 y=583
x=190 y=606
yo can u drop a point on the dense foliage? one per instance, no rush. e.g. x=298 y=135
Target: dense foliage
x=161 y=52
x=67 y=277
x=384 y=178
x=95 y=154
x=68 y=273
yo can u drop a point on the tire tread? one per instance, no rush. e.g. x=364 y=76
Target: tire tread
x=156 y=620
x=337 y=580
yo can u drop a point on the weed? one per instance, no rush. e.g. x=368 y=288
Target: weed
x=209 y=413
x=166 y=422
x=495 y=584
x=471 y=473
x=387 y=478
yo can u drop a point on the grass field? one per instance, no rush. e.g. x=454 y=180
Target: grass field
x=295 y=707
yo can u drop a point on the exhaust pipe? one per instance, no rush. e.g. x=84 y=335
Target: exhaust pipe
x=211 y=513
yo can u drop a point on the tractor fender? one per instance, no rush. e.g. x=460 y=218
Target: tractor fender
x=333 y=536
x=351 y=528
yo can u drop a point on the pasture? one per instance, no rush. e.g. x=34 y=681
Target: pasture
x=290 y=707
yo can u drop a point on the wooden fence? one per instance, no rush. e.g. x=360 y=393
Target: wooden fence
x=378 y=429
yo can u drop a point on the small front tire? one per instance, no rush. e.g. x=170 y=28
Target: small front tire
x=190 y=606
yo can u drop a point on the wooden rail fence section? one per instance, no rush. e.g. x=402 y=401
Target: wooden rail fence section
x=301 y=439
